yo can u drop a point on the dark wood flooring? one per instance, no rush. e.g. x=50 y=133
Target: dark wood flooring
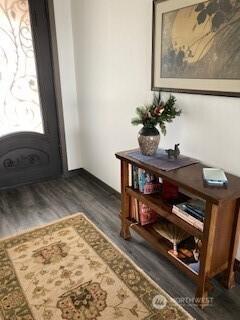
x=30 y=206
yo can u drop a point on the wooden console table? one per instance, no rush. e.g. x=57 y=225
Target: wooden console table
x=220 y=236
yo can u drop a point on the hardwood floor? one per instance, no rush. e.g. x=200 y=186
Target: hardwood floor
x=30 y=206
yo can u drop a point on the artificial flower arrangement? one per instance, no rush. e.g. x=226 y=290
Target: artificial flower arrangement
x=158 y=113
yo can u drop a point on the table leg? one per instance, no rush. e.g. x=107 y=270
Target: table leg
x=125 y=207
x=229 y=280
x=206 y=255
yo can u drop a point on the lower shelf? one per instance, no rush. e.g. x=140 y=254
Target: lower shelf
x=162 y=245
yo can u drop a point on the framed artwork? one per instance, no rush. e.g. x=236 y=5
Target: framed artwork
x=196 y=46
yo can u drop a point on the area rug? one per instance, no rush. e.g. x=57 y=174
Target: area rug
x=69 y=270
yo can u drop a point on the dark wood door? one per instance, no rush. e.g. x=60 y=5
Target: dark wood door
x=29 y=141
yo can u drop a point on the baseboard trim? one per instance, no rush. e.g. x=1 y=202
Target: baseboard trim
x=91 y=177
x=29 y=183
x=104 y=185
x=72 y=173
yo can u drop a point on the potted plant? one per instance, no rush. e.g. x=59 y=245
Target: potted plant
x=158 y=113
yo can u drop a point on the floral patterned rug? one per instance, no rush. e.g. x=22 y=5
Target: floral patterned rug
x=69 y=270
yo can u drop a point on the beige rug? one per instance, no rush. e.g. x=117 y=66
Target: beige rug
x=69 y=270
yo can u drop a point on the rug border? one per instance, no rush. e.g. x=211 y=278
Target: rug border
x=127 y=257
x=140 y=269
x=20 y=233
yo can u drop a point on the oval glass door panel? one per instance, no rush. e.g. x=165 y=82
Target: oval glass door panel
x=20 y=107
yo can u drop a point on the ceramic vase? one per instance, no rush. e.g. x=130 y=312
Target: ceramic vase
x=148 y=139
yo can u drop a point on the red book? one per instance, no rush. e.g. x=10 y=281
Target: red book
x=169 y=191
x=146 y=214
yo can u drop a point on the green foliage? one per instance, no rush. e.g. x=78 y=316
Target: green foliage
x=158 y=113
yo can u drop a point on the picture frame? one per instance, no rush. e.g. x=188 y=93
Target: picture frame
x=193 y=47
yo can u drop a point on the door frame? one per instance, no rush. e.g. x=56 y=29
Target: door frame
x=57 y=86
x=57 y=94
x=49 y=5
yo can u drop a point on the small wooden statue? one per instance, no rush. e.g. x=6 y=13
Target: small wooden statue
x=173 y=153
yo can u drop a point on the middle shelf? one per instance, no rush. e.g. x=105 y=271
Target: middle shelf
x=155 y=202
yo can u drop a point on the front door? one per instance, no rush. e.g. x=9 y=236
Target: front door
x=29 y=142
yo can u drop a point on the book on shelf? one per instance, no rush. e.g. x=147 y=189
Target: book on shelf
x=192 y=211
x=141 y=179
x=188 y=212
x=192 y=221
x=215 y=177
x=134 y=213
x=135 y=183
x=140 y=213
x=148 y=183
x=146 y=214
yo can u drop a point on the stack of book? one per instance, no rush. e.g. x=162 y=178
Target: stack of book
x=215 y=177
x=192 y=211
x=144 y=181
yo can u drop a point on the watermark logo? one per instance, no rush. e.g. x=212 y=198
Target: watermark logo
x=194 y=301
x=159 y=302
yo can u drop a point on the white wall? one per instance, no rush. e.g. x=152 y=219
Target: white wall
x=63 y=19
x=112 y=53
x=112 y=41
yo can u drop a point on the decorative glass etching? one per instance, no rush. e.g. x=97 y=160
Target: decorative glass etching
x=20 y=109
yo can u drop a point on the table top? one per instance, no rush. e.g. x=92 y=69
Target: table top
x=191 y=179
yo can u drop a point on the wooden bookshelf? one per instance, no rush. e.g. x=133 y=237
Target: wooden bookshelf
x=220 y=236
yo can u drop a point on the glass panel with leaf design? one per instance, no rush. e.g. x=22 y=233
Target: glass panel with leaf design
x=20 y=108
